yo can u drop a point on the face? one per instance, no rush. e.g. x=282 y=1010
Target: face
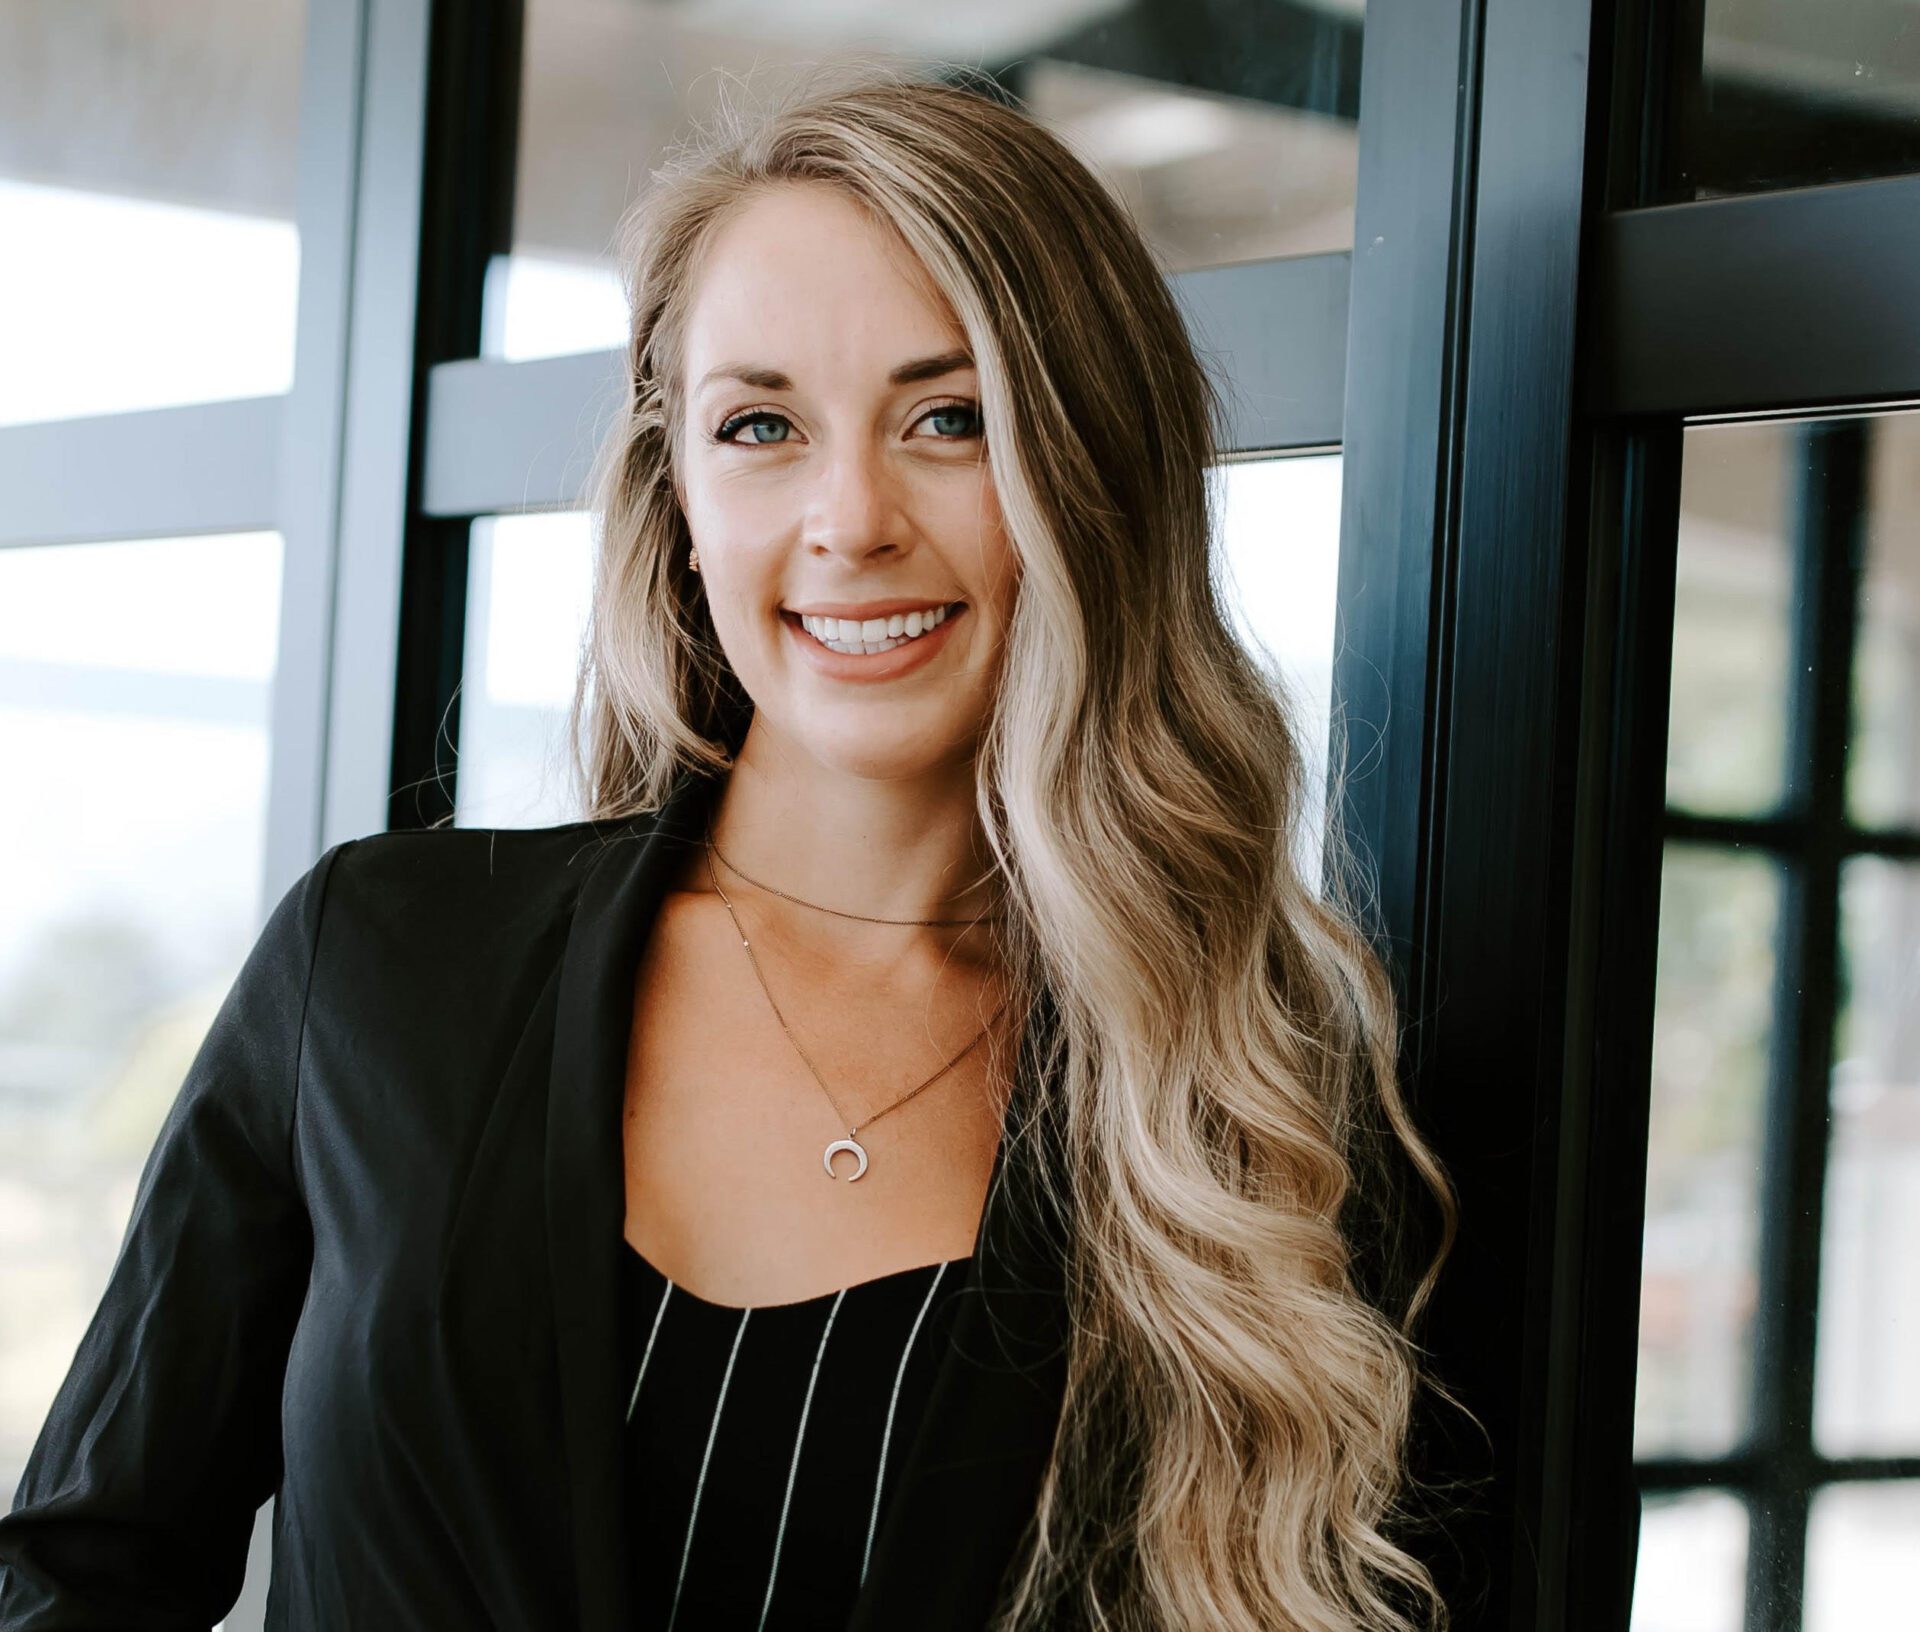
x=832 y=463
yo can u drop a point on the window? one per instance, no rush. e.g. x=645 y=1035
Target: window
x=135 y=683
x=1791 y=93
x=148 y=157
x=1241 y=147
x=1777 y=1425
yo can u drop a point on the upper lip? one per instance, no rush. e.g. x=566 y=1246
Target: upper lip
x=865 y=609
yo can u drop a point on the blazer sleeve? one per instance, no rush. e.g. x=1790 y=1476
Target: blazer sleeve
x=137 y=1503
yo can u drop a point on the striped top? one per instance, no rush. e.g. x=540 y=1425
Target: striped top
x=762 y=1443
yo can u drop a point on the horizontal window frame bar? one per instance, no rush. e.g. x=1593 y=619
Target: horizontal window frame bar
x=190 y=471
x=495 y=443
x=162 y=696
x=1274 y=334
x=504 y=438
x=1747 y=1472
x=1786 y=836
x=1770 y=302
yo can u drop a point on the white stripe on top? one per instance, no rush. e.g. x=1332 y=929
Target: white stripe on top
x=793 y=1467
x=712 y=1431
x=665 y=1293
x=900 y=1372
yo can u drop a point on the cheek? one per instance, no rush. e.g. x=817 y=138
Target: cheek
x=729 y=521
x=999 y=566
x=704 y=504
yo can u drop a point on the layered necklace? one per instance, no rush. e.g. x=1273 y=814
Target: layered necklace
x=851 y=1143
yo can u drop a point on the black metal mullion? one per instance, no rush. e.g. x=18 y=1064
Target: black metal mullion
x=1401 y=444
x=1830 y=529
x=1896 y=844
x=1464 y=656
x=467 y=217
x=1742 y=1471
x=1785 y=833
x=1790 y=302
x=1637 y=490
x=1788 y=834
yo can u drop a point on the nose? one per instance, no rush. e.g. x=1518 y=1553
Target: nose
x=853 y=508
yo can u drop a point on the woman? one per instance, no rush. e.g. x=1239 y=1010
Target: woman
x=897 y=1164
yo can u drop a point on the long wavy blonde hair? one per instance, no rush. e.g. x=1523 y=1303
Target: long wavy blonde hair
x=1232 y=1452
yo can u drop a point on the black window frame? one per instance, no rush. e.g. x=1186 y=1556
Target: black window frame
x=1784 y=306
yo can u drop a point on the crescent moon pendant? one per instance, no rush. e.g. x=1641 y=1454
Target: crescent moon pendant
x=845 y=1144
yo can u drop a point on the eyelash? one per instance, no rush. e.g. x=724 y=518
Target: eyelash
x=723 y=435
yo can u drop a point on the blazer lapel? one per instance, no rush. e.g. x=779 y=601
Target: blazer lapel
x=969 y=1479
x=586 y=1179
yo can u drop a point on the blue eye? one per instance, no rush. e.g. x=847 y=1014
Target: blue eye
x=966 y=412
x=725 y=433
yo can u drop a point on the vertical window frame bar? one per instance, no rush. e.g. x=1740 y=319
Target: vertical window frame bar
x=1829 y=476
x=467 y=216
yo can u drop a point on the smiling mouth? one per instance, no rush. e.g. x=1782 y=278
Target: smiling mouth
x=871 y=648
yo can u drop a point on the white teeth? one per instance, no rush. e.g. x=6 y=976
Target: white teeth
x=871 y=635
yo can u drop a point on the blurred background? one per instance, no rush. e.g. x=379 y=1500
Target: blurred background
x=307 y=332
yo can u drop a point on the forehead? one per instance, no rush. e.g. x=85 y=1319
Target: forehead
x=803 y=279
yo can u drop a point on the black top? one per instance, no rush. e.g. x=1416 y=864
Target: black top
x=762 y=1443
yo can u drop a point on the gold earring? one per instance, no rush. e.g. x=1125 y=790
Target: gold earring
x=693 y=559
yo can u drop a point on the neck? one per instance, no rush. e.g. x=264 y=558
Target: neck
x=897 y=849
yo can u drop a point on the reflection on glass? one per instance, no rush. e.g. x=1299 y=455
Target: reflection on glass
x=148 y=157
x=1690 y=1575
x=1712 y=994
x=530 y=577
x=1239 y=145
x=134 y=707
x=1861 y=1543
x=1727 y=725
x=1867 y=1376
x=1792 y=93
x=1884 y=758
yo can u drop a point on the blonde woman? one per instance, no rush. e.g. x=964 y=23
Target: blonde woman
x=895 y=1164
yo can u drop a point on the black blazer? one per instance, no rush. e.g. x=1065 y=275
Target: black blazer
x=371 y=1271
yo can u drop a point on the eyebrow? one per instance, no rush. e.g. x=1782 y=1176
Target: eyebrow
x=771 y=379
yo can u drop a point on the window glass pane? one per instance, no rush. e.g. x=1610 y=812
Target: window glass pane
x=135 y=681
x=1690 y=1575
x=147 y=180
x=1884 y=774
x=529 y=579
x=1791 y=93
x=1229 y=129
x=1861 y=1544
x=1281 y=543
x=1712 y=998
x=1867 y=1374
x=1727 y=724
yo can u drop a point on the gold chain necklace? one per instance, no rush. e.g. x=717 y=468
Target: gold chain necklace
x=984 y=918
x=851 y=1143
